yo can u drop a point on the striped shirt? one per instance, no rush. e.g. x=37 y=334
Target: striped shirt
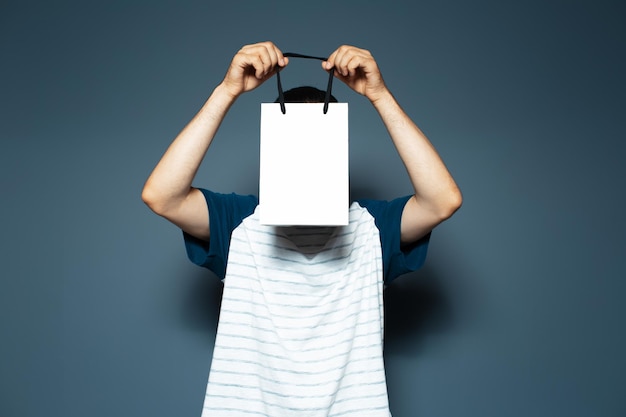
x=300 y=331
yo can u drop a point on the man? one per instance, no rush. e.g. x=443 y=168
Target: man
x=300 y=329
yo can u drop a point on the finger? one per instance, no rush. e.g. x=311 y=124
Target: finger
x=283 y=61
x=329 y=63
x=269 y=55
x=344 y=56
x=258 y=55
x=266 y=58
x=355 y=63
x=256 y=62
x=273 y=54
x=242 y=62
x=338 y=59
x=279 y=58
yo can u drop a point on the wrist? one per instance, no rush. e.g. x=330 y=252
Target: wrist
x=218 y=103
x=381 y=98
x=223 y=92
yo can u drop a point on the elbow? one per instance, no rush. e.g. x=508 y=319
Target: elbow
x=456 y=201
x=152 y=198
x=450 y=204
x=161 y=200
x=148 y=197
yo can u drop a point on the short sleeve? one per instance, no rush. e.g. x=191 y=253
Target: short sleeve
x=397 y=260
x=226 y=212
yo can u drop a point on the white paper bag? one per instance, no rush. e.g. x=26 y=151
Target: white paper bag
x=304 y=165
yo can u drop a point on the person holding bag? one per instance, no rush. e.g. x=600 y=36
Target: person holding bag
x=301 y=323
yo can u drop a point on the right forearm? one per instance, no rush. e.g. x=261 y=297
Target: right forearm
x=170 y=181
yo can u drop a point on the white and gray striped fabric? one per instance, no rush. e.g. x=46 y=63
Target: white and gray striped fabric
x=301 y=324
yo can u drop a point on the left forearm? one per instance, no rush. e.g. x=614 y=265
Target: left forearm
x=437 y=196
x=435 y=189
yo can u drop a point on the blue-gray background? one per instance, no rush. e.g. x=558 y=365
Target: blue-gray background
x=519 y=310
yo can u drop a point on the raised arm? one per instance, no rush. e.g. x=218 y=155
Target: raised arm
x=168 y=190
x=437 y=196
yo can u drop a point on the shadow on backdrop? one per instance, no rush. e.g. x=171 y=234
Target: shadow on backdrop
x=416 y=305
x=202 y=301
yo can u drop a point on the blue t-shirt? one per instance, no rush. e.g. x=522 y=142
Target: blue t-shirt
x=227 y=211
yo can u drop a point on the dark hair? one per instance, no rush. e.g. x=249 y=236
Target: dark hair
x=306 y=94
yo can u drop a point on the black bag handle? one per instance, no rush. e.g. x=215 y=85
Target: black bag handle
x=281 y=97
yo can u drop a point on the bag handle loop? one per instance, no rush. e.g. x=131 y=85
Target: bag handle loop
x=281 y=97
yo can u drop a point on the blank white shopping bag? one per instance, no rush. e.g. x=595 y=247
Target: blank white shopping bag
x=304 y=165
